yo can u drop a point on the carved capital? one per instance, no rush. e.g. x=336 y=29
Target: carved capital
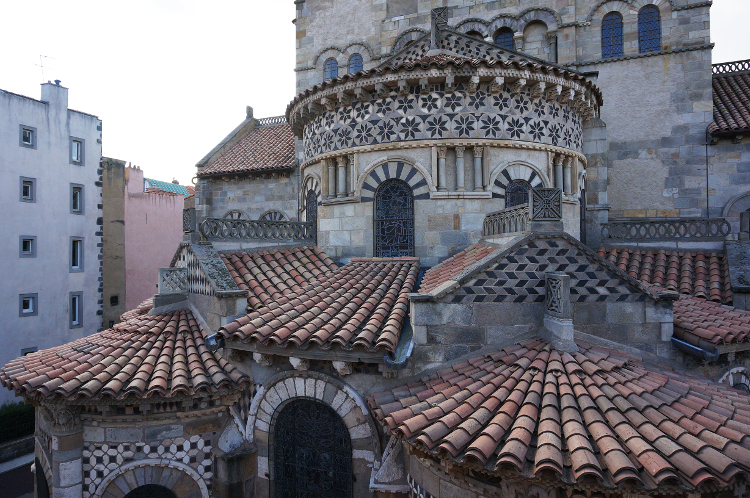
x=478 y=151
x=517 y=85
x=567 y=162
x=342 y=367
x=299 y=363
x=538 y=90
x=403 y=88
x=460 y=151
x=62 y=419
x=442 y=151
x=553 y=91
x=341 y=160
x=497 y=85
x=265 y=360
x=473 y=84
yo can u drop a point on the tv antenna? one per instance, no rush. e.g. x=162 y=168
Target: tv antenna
x=41 y=63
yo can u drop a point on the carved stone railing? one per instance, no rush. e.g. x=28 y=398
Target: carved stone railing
x=686 y=228
x=188 y=220
x=228 y=229
x=276 y=120
x=731 y=67
x=545 y=204
x=509 y=220
x=173 y=280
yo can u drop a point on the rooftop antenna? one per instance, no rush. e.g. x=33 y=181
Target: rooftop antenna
x=41 y=63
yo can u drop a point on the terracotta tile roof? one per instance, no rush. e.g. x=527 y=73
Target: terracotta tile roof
x=147 y=356
x=268 y=275
x=191 y=191
x=731 y=103
x=700 y=274
x=361 y=305
x=598 y=415
x=713 y=322
x=264 y=148
x=453 y=266
x=141 y=309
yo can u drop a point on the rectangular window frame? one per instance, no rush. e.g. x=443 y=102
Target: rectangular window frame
x=76 y=187
x=27 y=254
x=32 y=197
x=80 y=252
x=75 y=302
x=21 y=142
x=34 y=297
x=82 y=159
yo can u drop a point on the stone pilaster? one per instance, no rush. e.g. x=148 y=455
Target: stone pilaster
x=331 y=179
x=478 y=180
x=64 y=423
x=460 y=169
x=341 y=182
x=442 y=151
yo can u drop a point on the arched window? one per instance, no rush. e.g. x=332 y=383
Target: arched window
x=355 y=63
x=331 y=69
x=312 y=452
x=311 y=211
x=235 y=214
x=394 y=220
x=517 y=193
x=649 y=29
x=475 y=34
x=612 y=35
x=272 y=216
x=504 y=39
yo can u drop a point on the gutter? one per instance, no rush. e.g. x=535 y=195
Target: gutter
x=705 y=354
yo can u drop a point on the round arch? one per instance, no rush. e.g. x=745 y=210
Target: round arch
x=394 y=167
x=541 y=14
x=173 y=475
x=502 y=21
x=737 y=377
x=734 y=207
x=403 y=39
x=503 y=174
x=311 y=182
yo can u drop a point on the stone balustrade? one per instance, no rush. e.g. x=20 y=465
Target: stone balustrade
x=173 y=280
x=229 y=229
x=510 y=220
x=685 y=228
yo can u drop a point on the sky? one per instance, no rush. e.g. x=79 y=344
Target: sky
x=171 y=78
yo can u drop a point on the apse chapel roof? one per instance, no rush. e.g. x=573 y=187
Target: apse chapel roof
x=144 y=357
x=731 y=85
x=597 y=418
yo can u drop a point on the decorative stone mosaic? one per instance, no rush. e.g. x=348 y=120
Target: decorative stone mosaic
x=197 y=283
x=399 y=170
x=99 y=459
x=435 y=114
x=415 y=490
x=519 y=277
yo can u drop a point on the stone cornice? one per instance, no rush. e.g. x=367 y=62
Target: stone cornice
x=704 y=46
x=449 y=142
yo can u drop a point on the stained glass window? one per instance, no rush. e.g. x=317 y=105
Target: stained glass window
x=311 y=209
x=612 y=35
x=504 y=39
x=517 y=193
x=312 y=452
x=355 y=63
x=394 y=220
x=331 y=69
x=272 y=216
x=649 y=29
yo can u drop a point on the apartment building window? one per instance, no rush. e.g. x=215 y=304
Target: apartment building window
x=27 y=304
x=27 y=136
x=27 y=246
x=77 y=150
x=28 y=189
x=76 y=309
x=76 y=198
x=76 y=254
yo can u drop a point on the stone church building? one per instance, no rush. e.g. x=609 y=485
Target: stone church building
x=491 y=249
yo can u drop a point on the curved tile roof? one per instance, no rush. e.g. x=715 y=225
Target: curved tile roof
x=595 y=416
x=713 y=322
x=264 y=148
x=704 y=275
x=146 y=356
x=141 y=309
x=269 y=275
x=362 y=305
x=731 y=103
x=455 y=265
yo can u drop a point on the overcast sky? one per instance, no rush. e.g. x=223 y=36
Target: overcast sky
x=171 y=78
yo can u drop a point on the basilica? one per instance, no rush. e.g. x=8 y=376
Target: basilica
x=491 y=249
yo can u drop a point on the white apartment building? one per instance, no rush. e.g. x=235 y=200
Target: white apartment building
x=51 y=234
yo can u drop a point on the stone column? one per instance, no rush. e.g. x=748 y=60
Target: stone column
x=341 y=192
x=518 y=41
x=331 y=179
x=559 y=171
x=352 y=176
x=64 y=426
x=441 y=168
x=566 y=175
x=460 y=169
x=478 y=180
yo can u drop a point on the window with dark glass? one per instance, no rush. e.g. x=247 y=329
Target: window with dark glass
x=355 y=63
x=649 y=29
x=331 y=69
x=517 y=193
x=76 y=309
x=612 y=35
x=504 y=39
x=394 y=220
x=475 y=34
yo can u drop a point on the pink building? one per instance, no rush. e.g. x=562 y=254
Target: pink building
x=141 y=231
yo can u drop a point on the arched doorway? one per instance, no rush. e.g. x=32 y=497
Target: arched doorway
x=312 y=452
x=151 y=491
x=394 y=220
x=517 y=193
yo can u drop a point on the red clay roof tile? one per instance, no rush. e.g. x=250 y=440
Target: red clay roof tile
x=731 y=103
x=453 y=266
x=604 y=416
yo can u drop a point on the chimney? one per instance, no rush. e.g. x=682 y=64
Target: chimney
x=55 y=94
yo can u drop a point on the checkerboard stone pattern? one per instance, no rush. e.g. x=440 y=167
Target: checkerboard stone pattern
x=519 y=277
x=415 y=490
x=99 y=459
